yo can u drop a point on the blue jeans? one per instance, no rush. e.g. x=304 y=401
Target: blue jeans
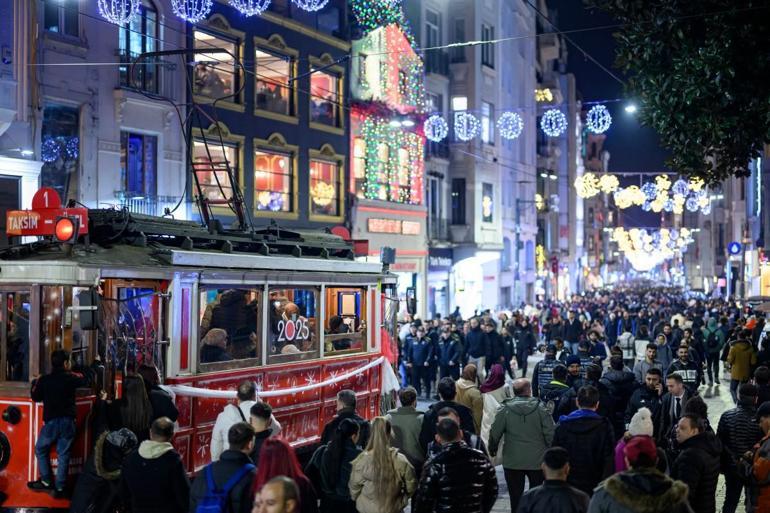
x=59 y=431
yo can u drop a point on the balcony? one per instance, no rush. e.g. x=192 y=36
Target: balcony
x=438 y=229
x=437 y=62
x=437 y=150
x=150 y=205
x=146 y=75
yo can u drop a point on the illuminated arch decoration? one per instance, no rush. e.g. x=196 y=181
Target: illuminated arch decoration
x=598 y=119
x=250 y=7
x=467 y=126
x=647 y=249
x=553 y=123
x=119 y=12
x=510 y=125
x=436 y=128
x=192 y=11
x=310 y=5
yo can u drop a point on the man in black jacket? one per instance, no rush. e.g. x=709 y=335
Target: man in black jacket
x=671 y=409
x=447 y=392
x=573 y=331
x=459 y=479
x=153 y=478
x=234 y=462
x=690 y=371
x=589 y=439
x=647 y=395
x=259 y=418
x=477 y=347
x=57 y=393
x=554 y=495
x=621 y=385
x=739 y=432
x=698 y=463
x=346 y=409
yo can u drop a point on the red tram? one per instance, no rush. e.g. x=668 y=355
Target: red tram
x=293 y=310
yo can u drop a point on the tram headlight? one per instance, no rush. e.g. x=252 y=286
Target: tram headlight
x=66 y=229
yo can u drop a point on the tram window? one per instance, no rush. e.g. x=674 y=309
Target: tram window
x=345 y=324
x=52 y=304
x=82 y=340
x=16 y=334
x=293 y=324
x=229 y=327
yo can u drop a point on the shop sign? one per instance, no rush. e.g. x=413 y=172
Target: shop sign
x=395 y=226
x=404 y=267
x=440 y=259
x=410 y=228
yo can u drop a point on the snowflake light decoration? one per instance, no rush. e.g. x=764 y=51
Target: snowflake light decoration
x=587 y=185
x=598 y=119
x=680 y=187
x=119 y=12
x=668 y=205
x=609 y=183
x=510 y=125
x=311 y=5
x=49 y=151
x=192 y=11
x=250 y=7
x=647 y=206
x=553 y=123
x=467 y=126
x=650 y=190
x=72 y=147
x=436 y=128
x=692 y=204
x=706 y=210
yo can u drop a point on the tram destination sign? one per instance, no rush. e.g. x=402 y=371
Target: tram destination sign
x=41 y=220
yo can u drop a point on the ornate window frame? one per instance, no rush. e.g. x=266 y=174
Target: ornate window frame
x=277 y=45
x=325 y=61
x=327 y=153
x=277 y=143
x=217 y=25
x=212 y=133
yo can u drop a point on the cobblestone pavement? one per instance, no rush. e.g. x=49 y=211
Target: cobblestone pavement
x=717 y=398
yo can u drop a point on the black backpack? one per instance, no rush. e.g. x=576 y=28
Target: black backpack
x=712 y=341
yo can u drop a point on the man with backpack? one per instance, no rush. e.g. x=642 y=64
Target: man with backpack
x=714 y=340
x=225 y=486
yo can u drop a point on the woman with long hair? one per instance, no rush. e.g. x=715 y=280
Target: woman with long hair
x=133 y=410
x=382 y=479
x=277 y=458
x=330 y=467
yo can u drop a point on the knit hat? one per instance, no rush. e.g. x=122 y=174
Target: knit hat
x=573 y=359
x=641 y=423
x=640 y=446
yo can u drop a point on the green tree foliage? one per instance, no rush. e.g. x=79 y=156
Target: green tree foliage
x=701 y=72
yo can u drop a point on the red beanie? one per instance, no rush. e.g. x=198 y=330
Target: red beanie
x=638 y=446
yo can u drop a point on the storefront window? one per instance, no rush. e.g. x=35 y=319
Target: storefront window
x=230 y=327
x=324 y=188
x=293 y=324
x=215 y=73
x=324 y=101
x=345 y=326
x=212 y=174
x=274 y=73
x=273 y=181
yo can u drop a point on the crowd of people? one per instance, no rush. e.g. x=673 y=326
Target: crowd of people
x=611 y=419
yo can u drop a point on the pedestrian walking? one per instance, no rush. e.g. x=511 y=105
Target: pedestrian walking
x=671 y=409
x=477 y=347
x=647 y=396
x=468 y=394
x=543 y=373
x=714 y=341
x=161 y=401
x=664 y=354
x=742 y=359
x=641 y=488
x=57 y=393
x=458 y=479
x=471 y=440
x=493 y=392
x=551 y=393
x=641 y=425
x=450 y=354
x=641 y=342
x=346 y=409
x=555 y=495
x=447 y=393
x=650 y=361
x=698 y=463
x=331 y=465
x=277 y=458
x=406 y=423
x=688 y=369
x=226 y=485
x=153 y=478
x=260 y=415
x=526 y=428
x=589 y=439
x=279 y=495
x=382 y=479
x=760 y=465
x=525 y=345
x=739 y=432
x=420 y=359
x=621 y=385
x=573 y=331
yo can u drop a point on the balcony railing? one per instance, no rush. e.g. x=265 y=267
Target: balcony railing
x=150 y=205
x=437 y=150
x=438 y=229
x=437 y=61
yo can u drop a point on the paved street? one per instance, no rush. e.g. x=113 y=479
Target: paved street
x=717 y=398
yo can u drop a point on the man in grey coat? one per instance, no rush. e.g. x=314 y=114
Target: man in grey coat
x=526 y=429
x=406 y=423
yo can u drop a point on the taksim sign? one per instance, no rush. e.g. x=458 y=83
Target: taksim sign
x=734 y=248
x=41 y=220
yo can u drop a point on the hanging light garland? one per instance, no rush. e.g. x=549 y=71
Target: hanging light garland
x=436 y=128
x=72 y=147
x=609 y=183
x=466 y=126
x=645 y=249
x=510 y=125
x=119 y=12
x=372 y=14
x=598 y=119
x=553 y=123
x=311 y=5
x=587 y=185
x=250 y=7
x=192 y=11
x=49 y=150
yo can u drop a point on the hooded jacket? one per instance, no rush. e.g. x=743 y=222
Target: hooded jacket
x=590 y=441
x=153 y=480
x=363 y=488
x=742 y=358
x=468 y=395
x=476 y=343
x=406 y=423
x=698 y=467
x=713 y=327
x=230 y=416
x=640 y=491
x=527 y=429
x=553 y=496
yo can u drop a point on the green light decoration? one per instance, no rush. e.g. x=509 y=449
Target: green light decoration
x=398 y=176
x=371 y=14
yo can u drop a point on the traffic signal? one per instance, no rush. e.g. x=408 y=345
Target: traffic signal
x=66 y=229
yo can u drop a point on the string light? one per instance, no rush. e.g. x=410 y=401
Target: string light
x=553 y=123
x=680 y=187
x=371 y=14
x=650 y=190
x=72 y=147
x=645 y=250
x=692 y=204
x=311 y=5
x=436 y=128
x=466 y=126
x=609 y=183
x=587 y=185
x=510 y=125
x=191 y=11
x=119 y=12
x=543 y=95
x=49 y=150
x=598 y=119
x=250 y=7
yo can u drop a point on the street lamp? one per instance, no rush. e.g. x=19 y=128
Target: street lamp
x=631 y=108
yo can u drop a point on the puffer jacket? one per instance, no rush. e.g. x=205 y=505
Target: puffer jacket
x=742 y=358
x=640 y=491
x=739 y=432
x=553 y=497
x=590 y=441
x=698 y=467
x=363 y=489
x=457 y=480
x=527 y=428
x=468 y=395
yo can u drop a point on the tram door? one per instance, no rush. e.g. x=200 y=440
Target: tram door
x=15 y=335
